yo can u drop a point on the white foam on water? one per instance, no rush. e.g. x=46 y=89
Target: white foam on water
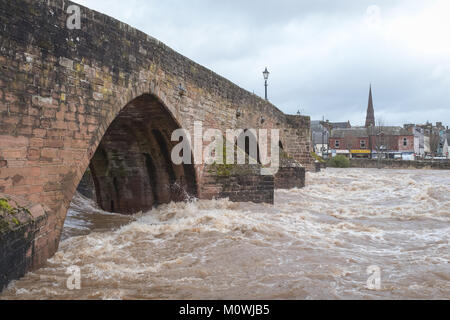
x=314 y=243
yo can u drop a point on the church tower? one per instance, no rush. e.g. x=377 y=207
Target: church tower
x=370 y=119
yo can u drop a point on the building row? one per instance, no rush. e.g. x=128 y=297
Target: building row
x=410 y=142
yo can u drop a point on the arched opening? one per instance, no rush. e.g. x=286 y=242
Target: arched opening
x=251 y=145
x=131 y=170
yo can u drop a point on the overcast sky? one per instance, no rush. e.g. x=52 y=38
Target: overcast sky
x=322 y=54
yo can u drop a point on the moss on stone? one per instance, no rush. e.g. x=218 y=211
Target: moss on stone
x=6 y=207
x=4 y=225
x=317 y=157
x=6 y=215
x=227 y=170
x=9 y=215
x=44 y=44
x=285 y=155
x=34 y=12
x=223 y=170
x=71 y=44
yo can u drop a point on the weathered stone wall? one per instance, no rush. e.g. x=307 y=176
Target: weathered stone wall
x=243 y=183
x=19 y=237
x=61 y=89
x=290 y=175
x=296 y=139
x=400 y=164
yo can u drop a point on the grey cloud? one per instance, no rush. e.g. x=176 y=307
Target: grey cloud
x=321 y=54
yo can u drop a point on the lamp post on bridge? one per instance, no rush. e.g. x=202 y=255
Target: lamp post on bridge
x=266 y=77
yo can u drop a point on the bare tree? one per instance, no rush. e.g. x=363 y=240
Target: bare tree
x=348 y=138
x=377 y=140
x=435 y=140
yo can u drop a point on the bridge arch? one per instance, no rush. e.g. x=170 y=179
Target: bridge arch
x=131 y=168
x=251 y=145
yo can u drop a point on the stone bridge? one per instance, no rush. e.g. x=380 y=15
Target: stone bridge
x=101 y=102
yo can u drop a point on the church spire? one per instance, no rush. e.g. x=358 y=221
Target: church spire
x=370 y=119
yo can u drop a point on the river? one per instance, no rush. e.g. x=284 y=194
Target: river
x=314 y=243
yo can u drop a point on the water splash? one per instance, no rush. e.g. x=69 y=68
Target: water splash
x=315 y=243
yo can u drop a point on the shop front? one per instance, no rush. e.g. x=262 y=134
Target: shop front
x=360 y=154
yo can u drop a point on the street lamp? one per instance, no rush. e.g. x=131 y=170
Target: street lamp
x=266 y=77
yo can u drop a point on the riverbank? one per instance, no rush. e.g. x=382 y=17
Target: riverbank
x=400 y=164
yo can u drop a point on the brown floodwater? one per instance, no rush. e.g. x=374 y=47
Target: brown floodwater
x=314 y=243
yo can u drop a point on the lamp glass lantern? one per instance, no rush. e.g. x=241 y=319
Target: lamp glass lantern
x=266 y=74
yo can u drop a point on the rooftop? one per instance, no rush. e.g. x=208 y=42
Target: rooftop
x=318 y=137
x=363 y=132
x=359 y=132
x=340 y=125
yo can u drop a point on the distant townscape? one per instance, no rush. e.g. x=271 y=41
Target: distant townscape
x=376 y=140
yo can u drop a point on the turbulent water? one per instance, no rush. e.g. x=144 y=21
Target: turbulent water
x=315 y=243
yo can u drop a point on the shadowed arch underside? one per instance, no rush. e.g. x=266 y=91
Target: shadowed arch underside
x=132 y=169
